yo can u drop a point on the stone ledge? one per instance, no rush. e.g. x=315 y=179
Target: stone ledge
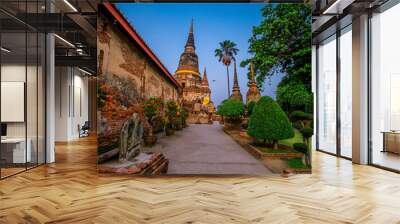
x=273 y=161
x=297 y=170
x=258 y=153
x=143 y=164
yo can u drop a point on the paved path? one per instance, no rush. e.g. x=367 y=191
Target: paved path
x=206 y=149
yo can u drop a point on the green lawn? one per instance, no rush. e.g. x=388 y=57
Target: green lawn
x=296 y=163
x=289 y=142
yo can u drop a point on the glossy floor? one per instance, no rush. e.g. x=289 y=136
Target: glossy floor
x=387 y=159
x=71 y=191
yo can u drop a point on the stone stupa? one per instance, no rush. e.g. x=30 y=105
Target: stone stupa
x=236 y=89
x=253 y=94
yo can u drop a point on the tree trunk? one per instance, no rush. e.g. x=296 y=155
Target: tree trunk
x=275 y=144
x=309 y=159
x=227 y=76
x=308 y=155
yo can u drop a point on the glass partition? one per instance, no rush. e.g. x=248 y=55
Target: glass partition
x=326 y=105
x=385 y=89
x=22 y=88
x=13 y=95
x=346 y=92
x=31 y=98
x=41 y=97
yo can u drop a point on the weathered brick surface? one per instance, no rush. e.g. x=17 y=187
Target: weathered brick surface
x=126 y=77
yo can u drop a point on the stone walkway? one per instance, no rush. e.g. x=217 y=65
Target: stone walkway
x=206 y=149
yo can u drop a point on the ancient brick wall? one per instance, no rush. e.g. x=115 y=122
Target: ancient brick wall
x=126 y=76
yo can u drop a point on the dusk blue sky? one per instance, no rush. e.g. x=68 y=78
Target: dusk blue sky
x=165 y=27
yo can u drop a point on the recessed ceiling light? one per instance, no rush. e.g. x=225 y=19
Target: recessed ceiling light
x=70 y=5
x=331 y=7
x=64 y=40
x=84 y=71
x=337 y=7
x=5 y=50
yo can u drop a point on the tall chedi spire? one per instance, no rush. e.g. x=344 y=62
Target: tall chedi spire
x=188 y=62
x=236 y=89
x=196 y=93
x=204 y=86
x=190 y=41
x=204 y=81
x=253 y=94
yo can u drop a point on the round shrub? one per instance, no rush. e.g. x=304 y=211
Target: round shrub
x=220 y=107
x=298 y=125
x=231 y=108
x=299 y=115
x=306 y=132
x=303 y=148
x=250 y=107
x=292 y=95
x=300 y=147
x=269 y=122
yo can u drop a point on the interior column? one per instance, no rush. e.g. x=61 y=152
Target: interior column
x=50 y=92
x=360 y=90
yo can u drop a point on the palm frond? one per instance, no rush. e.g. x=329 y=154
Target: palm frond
x=227 y=50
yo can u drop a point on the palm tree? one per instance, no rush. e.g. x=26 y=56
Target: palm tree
x=226 y=53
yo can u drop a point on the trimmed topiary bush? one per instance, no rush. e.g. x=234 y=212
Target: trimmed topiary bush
x=299 y=119
x=293 y=95
x=300 y=147
x=307 y=132
x=299 y=115
x=220 y=107
x=231 y=108
x=303 y=148
x=250 y=107
x=269 y=122
x=298 y=125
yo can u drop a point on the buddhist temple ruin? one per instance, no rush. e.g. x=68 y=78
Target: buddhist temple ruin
x=196 y=93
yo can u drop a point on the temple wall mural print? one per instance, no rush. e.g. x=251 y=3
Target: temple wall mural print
x=179 y=93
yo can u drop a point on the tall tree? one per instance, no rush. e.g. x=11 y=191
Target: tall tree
x=282 y=43
x=226 y=53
